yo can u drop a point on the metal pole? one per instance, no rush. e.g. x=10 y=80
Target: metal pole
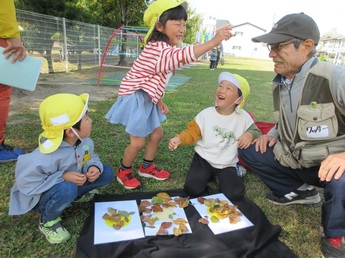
x=65 y=44
x=99 y=44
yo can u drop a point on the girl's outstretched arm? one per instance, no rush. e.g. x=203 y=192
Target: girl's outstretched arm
x=223 y=33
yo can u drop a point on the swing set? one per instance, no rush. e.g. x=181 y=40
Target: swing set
x=130 y=36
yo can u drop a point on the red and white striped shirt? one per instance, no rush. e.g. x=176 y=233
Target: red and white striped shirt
x=152 y=70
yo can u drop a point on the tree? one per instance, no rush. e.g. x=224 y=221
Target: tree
x=193 y=24
x=110 y=13
x=60 y=8
x=43 y=35
x=131 y=15
x=114 y=14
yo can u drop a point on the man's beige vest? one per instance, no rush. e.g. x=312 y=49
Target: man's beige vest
x=320 y=122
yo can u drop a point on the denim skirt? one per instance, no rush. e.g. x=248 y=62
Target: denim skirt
x=137 y=113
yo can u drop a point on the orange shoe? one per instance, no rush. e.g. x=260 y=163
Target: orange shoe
x=153 y=172
x=126 y=178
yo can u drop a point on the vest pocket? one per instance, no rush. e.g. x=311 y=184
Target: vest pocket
x=310 y=154
x=317 y=122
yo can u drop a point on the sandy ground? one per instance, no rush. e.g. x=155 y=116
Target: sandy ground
x=49 y=84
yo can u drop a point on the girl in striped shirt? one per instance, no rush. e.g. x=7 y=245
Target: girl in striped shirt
x=139 y=106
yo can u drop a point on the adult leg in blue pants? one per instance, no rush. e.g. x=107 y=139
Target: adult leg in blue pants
x=288 y=186
x=284 y=183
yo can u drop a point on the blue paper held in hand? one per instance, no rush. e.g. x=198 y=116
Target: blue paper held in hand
x=23 y=75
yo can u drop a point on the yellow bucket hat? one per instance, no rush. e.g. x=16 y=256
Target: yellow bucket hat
x=57 y=113
x=155 y=10
x=238 y=81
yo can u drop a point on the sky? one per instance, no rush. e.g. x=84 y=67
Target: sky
x=328 y=14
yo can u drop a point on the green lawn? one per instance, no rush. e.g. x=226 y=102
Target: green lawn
x=20 y=236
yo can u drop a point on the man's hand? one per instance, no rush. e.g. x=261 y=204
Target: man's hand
x=332 y=167
x=262 y=142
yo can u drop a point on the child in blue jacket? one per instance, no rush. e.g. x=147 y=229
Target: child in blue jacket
x=63 y=169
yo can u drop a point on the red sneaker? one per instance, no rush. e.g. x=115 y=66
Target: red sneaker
x=126 y=178
x=333 y=247
x=153 y=172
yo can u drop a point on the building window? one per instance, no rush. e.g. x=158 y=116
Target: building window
x=236 y=47
x=238 y=33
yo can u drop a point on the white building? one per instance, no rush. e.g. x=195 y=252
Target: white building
x=332 y=49
x=241 y=45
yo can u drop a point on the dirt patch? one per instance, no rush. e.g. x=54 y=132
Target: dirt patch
x=73 y=82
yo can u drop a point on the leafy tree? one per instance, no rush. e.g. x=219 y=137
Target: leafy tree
x=113 y=14
x=193 y=24
x=59 y=8
x=110 y=13
x=40 y=34
x=131 y=15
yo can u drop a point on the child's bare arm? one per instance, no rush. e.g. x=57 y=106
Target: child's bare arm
x=223 y=33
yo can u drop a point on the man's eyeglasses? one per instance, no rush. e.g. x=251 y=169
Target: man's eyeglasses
x=277 y=47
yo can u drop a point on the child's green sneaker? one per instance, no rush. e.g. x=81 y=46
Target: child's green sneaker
x=88 y=196
x=54 y=232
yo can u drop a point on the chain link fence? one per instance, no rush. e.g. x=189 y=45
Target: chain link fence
x=67 y=45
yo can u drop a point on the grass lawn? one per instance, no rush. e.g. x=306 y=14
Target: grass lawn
x=20 y=236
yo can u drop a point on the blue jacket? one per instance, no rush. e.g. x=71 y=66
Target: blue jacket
x=213 y=55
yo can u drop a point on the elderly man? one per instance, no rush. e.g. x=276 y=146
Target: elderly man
x=306 y=148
